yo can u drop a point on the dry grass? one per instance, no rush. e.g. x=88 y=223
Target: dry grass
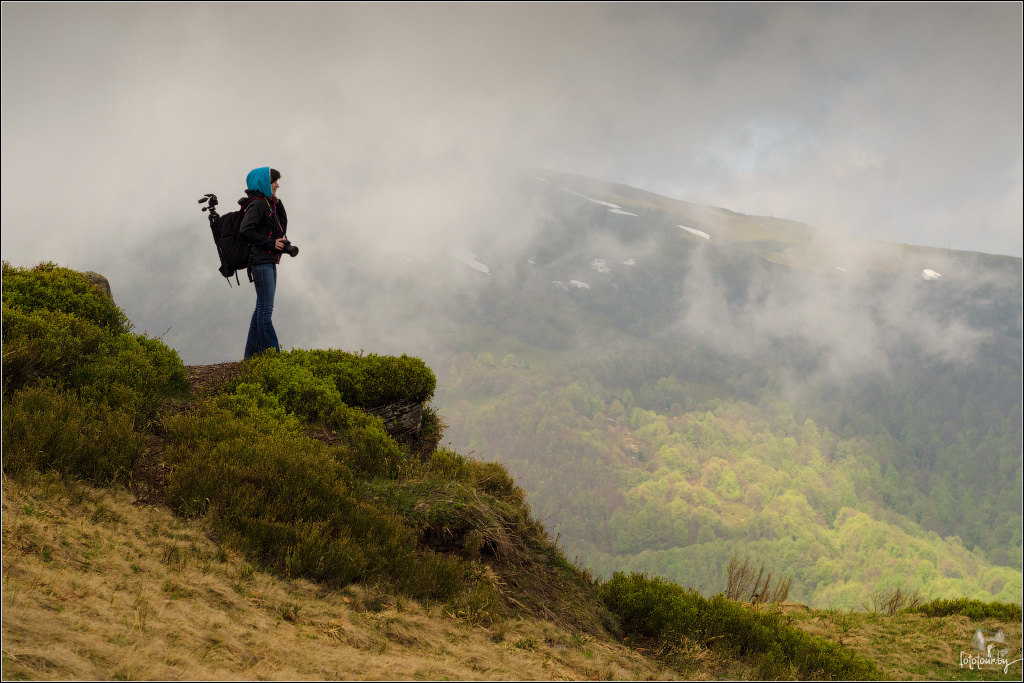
x=97 y=587
x=892 y=601
x=909 y=646
x=746 y=585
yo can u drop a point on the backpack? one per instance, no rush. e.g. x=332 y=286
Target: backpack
x=232 y=250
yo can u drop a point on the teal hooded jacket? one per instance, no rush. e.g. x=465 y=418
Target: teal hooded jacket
x=258 y=180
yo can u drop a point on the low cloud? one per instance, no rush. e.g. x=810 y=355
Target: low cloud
x=853 y=318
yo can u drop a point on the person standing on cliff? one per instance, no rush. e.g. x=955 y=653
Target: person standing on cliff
x=264 y=225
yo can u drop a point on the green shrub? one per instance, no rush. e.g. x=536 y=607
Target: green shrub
x=437 y=576
x=292 y=503
x=361 y=381
x=131 y=371
x=446 y=464
x=39 y=344
x=654 y=609
x=58 y=327
x=373 y=451
x=293 y=386
x=972 y=609
x=47 y=429
x=48 y=287
x=303 y=383
x=493 y=478
x=326 y=388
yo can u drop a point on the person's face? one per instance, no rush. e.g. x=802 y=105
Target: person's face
x=273 y=188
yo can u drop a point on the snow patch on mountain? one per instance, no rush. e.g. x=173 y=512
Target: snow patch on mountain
x=564 y=286
x=469 y=258
x=698 y=233
x=589 y=199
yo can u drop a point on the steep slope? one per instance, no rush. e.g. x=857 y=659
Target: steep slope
x=97 y=586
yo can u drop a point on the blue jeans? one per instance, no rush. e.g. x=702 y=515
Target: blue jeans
x=262 y=335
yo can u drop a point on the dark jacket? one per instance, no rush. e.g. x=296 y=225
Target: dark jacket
x=263 y=222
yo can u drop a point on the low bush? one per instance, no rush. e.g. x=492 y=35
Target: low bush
x=45 y=344
x=973 y=609
x=364 y=381
x=327 y=388
x=48 y=429
x=294 y=504
x=48 y=287
x=661 y=611
x=490 y=477
x=455 y=516
x=59 y=328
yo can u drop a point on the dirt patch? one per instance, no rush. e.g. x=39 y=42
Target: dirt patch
x=204 y=380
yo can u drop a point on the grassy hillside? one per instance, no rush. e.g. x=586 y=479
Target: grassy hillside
x=99 y=586
x=267 y=525
x=283 y=461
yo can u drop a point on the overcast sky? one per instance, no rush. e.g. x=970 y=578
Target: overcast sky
x=896 y=121
x=396 y=125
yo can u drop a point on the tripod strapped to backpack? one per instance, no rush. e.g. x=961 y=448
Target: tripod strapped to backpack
x=233 y=251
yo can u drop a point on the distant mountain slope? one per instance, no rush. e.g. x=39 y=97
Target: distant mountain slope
x=618 y=300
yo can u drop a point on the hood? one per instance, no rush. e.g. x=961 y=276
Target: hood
x=258 y=180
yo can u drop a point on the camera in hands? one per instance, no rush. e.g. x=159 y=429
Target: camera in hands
x=290 y=249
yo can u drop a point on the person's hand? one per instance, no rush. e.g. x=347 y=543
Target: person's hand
x=279 y=244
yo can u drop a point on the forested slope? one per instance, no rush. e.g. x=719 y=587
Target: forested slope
x=671 y=383
x=678 y=492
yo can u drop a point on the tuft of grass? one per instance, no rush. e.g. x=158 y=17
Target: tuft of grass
x=891 y=601
x=744 y=585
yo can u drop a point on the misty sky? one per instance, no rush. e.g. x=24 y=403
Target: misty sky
x=398 y=129
x=896 y=121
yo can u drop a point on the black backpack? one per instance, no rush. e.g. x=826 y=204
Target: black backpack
x=233 y=251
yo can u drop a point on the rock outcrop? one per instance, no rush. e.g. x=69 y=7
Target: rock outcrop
x=99 y=282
